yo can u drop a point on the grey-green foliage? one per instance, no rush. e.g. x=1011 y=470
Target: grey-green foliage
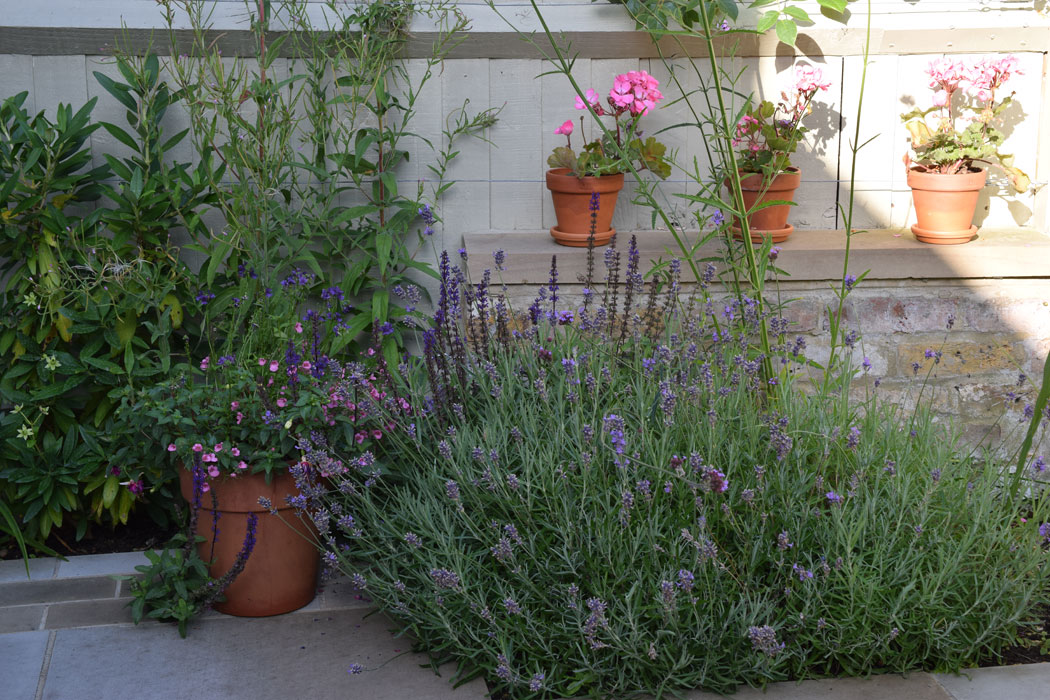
x=602 y=519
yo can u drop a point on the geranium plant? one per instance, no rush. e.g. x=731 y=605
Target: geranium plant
x=767 y=135
x=965 y=110
x=632 y=96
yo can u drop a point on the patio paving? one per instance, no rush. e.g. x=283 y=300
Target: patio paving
x=66 y=634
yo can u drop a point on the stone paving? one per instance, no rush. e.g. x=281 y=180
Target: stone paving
x=66 y=634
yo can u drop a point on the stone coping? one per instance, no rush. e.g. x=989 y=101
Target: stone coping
x=593 y=30
x=816 y=255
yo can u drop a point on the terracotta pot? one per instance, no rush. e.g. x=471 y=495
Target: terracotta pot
x=572 y=206
x=944 y=205
x=281 y=573
x=770 y=222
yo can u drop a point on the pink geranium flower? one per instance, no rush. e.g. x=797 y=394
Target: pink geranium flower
x=565 y=128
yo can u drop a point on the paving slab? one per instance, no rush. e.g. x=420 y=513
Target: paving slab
x=21 y=656
x=339 y=593
x=289 y=656
x=915 y=686
x=101 y=564
x=86 y=613
x=56 y=590
x=14 y=570
x=1024 y=682
x=21 y=618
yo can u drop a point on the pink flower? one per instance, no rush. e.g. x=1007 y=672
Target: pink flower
x=360 y=437
x=592 y=100
x=171 y=447
x=565 y=128
x=234 y=405
x=307 y=365
x=635 y=91
x=274 y=366
x=218 y=448
x=242 y=464
x=940 y=98
x=809 y=79
x=235 y=452
x=282 y=402
x=197 y=447
x=213 y=471
x=377 y=434
x=298 y=327
x=136 y=487
x=204 y=363
x=209 y=457
x=205 y=487
x=240 y=417
x=946 y=73
x=262 y=361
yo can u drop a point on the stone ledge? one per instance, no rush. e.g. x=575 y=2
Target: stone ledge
x=807 y=256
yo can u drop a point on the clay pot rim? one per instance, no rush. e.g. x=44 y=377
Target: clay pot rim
x=789 y=179
x=939 y=182
x=559 y=180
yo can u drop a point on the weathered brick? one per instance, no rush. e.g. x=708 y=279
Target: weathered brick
x=987 y=401
x=961 y=357
x=886 y=312
x=1028 y=316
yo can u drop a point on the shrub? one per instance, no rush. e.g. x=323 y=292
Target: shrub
x=615 y=499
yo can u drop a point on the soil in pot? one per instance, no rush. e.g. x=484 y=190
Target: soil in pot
x=572 y=206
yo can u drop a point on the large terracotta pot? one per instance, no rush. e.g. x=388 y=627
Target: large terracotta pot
x=770 y=222
x=281 y=573
x=944 y=205
x=572 y=200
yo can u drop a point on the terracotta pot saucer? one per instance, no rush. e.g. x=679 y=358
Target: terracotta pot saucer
x=944 y=237
x=579 y=240
x=779 y=235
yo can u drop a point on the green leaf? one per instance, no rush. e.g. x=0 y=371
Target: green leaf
x=117 y=90
x=767 y=21
x=787 y=31
x=384 y=242
x=797 y=13
x=120 y=135
x=835 y=6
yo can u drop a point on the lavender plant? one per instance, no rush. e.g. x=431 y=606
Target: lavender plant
x=585 y=501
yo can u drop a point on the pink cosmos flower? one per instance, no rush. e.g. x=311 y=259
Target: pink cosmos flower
x=235 y=452
x=282 y=402
x=273 y=366
x=565 y=128
x=171 y=447
x=197 y=447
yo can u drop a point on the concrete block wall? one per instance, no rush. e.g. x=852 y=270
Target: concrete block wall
x=63 y=42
